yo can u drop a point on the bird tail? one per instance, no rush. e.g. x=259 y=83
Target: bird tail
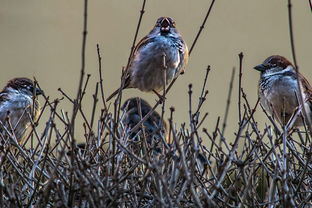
x=125 y=84
x=113 y=94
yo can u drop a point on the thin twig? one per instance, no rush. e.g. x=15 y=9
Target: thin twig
x=202 y=26
x=240 y=86
x=292 y=43
x=228 y=102
x=101 y=76
x=82 y=70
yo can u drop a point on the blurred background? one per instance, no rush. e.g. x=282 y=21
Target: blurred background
x=42 y=39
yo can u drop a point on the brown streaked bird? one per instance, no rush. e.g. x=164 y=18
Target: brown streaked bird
x=278 y=89
x=154 y=127
x=16 y=107
x=146 y=67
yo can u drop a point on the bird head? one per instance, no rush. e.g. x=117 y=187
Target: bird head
x=273 y=64
x=24 y=85
x=165 y=24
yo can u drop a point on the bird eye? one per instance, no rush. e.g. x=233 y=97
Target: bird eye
x=173 y=24
x=158 y=22
x=28 y=87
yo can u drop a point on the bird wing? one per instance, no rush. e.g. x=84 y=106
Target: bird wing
x=126 y=77
x=3 y=111
x=184 y=54
x=306 y=87
x=142 y=43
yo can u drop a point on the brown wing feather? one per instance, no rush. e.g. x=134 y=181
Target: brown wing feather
x=306 y=86
x=185 y=58
x=140 y=44
x=126 y=85
x=127 y=73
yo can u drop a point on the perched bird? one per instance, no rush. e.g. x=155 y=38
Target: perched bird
x=154 y=128
x=162 y=49
x=278 y=89
x=17 y=106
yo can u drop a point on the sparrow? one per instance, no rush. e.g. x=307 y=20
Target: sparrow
x=162 y=49
x=278 y=89
x=18 y=102
x=154 y=129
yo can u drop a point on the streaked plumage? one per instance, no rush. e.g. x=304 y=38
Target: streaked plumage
x=145 y=70
x=16 y=103
x=278 y=89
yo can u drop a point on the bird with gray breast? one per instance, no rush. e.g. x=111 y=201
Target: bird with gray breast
x=157 y=59
x=18 y=106
x=278 y=89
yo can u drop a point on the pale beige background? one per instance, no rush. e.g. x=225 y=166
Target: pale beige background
x=43 y=39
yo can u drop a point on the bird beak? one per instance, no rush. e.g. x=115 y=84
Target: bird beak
x=165 y=25
x=39 y=92
x=260 y=67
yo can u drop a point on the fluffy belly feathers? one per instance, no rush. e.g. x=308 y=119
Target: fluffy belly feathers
x=148 y=67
